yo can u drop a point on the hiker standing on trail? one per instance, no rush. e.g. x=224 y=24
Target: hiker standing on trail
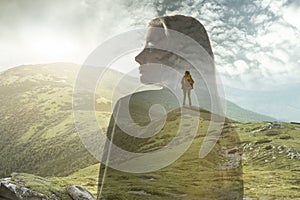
x=186 y=86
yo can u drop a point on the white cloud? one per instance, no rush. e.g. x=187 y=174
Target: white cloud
x=250 y=39
x=276 y=5
x=260 y=18
x=281 y=55
x=241 y=66
x=291 y=14
x=263 y=3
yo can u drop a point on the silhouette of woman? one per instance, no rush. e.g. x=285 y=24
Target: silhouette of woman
x=187 y=85
x=153 y=147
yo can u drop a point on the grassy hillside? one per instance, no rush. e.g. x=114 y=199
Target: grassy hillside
x=271 y=160
x=36 y=123
x=38 y=135
x=270 y=169
x=37 y=128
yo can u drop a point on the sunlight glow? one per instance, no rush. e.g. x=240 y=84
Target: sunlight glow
x=50 y=44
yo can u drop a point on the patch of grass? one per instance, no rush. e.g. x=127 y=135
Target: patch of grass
x=61 y=127
x=86 y=177
x=26 y=136
x=275 y=184
x=268 y=171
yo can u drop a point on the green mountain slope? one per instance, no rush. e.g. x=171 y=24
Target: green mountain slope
x=38 y=135
x=36 y=122
x=36 y=126
x=237 y=113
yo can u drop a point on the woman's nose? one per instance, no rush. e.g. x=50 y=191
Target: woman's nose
x=140 y=58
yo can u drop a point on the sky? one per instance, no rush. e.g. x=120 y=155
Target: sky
x=256 y=42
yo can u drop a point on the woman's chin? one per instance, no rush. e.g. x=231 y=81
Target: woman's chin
x=149 y=80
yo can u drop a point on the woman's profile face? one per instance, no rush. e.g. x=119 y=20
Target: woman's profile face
x=152 y=57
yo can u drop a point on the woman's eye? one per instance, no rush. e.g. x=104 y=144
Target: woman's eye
x=149 y=47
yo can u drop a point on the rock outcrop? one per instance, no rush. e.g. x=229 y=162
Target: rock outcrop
x=79 y=193
x=268 y=126
x=21 y=186
x=11 y=191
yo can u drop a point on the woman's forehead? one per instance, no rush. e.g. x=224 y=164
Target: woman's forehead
x=155 y=34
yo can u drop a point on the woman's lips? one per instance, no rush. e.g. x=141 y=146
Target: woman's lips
x=140 y=70
x=144 y=69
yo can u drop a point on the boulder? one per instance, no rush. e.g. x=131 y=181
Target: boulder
x=269 y=147
x=276 y=125
x=273 y=133
x=262 y=141
x=285 y=137
x=292 y=153
x=79 y=193
x=234 y=150
x=6 y=193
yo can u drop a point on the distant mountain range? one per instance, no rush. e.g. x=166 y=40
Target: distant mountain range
x=37 y=124
x=280 y=102
x=240 y=114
